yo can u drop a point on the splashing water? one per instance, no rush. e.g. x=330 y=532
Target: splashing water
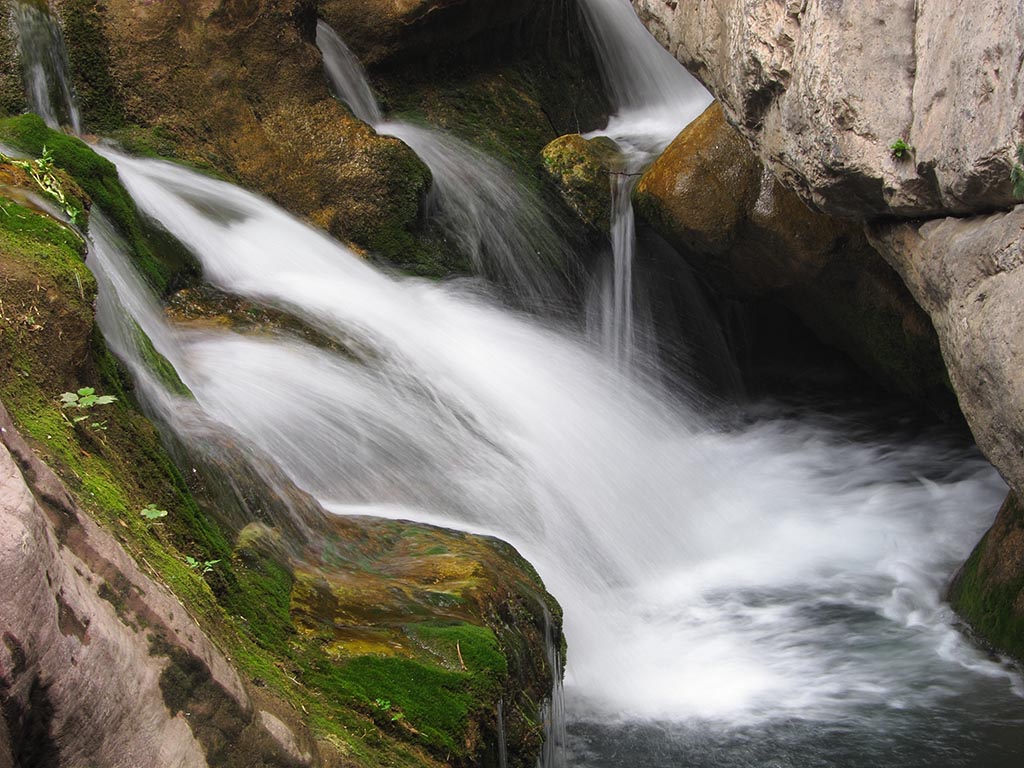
x=44 y=64
x=726 y=578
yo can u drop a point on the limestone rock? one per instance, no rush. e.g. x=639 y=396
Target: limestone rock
x=750 y=237
x=822 y=89
x=968 y=274
x=581 y=170
x=89 y=644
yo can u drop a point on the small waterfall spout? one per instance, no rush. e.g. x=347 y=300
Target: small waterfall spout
x=655 y=98
x=44 y=65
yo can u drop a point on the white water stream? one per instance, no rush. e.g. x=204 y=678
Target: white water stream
x=44 y=65
x=789 y=568
x=762 y=593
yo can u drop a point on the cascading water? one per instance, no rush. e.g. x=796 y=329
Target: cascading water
x=44 y=65
x=762 y=594
x=654 y=98
x=754 y=591
x=489 y=214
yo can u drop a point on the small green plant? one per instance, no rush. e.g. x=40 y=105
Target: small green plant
x=203 y=566
x=384 y=705
x=41 y=171
x=84 y=400
x=151 y=512
x=1017 y=173
x=900 y=149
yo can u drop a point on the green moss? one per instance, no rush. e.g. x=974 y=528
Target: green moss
x=89 y=60
x=34 y=238
x=165 y=267
x=461 y=643
x=991 y=606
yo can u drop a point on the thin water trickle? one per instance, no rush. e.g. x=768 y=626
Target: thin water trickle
x=44 y=65
x=654 y=99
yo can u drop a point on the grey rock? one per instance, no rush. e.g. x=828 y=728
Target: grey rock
x=967 y=274
x=822 y=88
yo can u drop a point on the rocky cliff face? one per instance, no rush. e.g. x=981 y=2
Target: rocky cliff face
x=99 y=665
x=751 y=238
x=822 y=89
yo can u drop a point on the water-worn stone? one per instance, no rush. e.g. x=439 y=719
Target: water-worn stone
x=581 y=169
x=822 y=89
x=968 y=276
x=750 y=237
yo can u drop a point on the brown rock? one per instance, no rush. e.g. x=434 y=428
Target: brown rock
x=240 y=85
x=378 y=30
x=711 y=197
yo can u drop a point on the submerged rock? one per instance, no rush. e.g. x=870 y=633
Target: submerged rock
x=750 y=237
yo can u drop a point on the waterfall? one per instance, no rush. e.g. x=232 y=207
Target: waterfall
x=654 y=99
x=738 y=574
x=491 y=216
x=44 y=64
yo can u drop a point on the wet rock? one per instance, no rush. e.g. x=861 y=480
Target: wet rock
x=988 y=592
x=582 y=169
x=750 y=237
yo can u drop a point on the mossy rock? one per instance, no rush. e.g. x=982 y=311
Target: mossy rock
x=99 y=99
x=988 y=591
x=582 y=169
x=12 y=91
x=162 y=261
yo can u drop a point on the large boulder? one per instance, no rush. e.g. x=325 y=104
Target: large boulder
x=240 y=86
x=823 y=89
x=968 y=274
x=711 y=197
